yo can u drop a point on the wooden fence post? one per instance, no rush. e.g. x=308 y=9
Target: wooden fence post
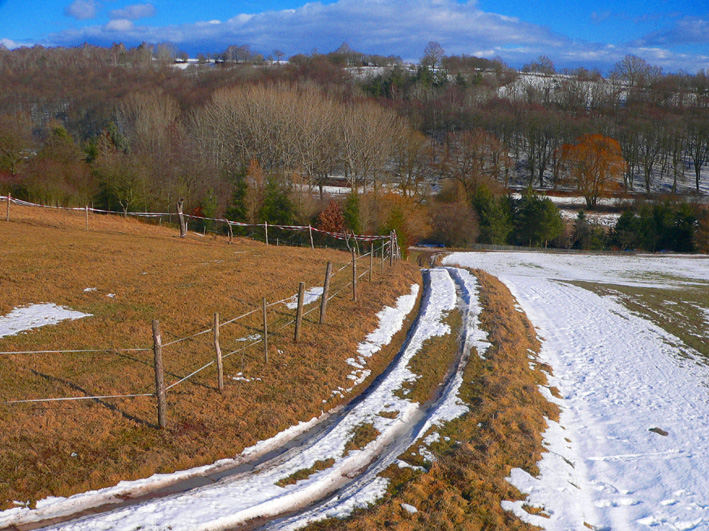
x=310 y=230
x=265 y=226
x=354 y=276
x=299 y=311
x=180 y=214
x=86 y=208
x=325 y=289
x=218 y=350
x=265 y=331
x=9 y=200
x=381 y=262
x=371 y=259
x=231 y=232
x=159 y=374
x=391 y=248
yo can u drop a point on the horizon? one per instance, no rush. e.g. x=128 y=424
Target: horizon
x=672 y=34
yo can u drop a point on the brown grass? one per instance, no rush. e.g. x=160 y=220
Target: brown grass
x=432 y=362
x=465 y=485
x=305 y=473
x=362 y=435
x=62 y=448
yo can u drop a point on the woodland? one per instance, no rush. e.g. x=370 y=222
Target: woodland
x=431 y=150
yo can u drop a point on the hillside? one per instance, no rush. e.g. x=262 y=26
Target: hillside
x=124 y=274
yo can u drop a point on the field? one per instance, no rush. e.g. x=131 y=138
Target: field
x=568 y=392
x=124 y=274
x=626 y=338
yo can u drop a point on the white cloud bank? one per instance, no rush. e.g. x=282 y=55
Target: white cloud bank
x=381 y=26
x=82 y=9
x=134 y=12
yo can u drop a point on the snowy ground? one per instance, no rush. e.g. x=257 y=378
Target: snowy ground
x=34 y=316
x=620 y=376
x=238 y=498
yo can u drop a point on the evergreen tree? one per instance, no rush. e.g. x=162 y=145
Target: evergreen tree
x=537 y=221
x=277 y=208
x=494 y=215
x=351 y=212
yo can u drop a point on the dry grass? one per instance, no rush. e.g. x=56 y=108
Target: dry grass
x=62 y=448
x=432 y=362
x=475 y=453
x=362 y=435
x=305 y=473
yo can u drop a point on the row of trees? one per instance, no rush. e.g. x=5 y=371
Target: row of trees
x=255 y=142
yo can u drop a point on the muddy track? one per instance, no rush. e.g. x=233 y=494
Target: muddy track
x=340 y=488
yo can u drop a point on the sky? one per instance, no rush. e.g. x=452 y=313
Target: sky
x=673 y=34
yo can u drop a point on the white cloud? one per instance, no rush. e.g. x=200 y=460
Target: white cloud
x=81 y=9
x=379 y=26
x=687 y=30
x=11 y=45
x=134 y=12
x=120 y=25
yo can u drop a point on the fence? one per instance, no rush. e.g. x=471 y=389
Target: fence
x=309 y=232
x=385 y=254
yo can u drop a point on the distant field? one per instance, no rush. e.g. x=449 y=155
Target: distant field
x=126 y=273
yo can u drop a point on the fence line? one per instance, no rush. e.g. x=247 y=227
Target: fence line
x=387 y=242
x=193 y=373
x=309 y=228
x=74 y=398
x=75 y=351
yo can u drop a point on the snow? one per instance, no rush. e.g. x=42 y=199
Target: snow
x=608 y=219
x=619 y=375
x=368 y=488
x=409 y=508
x=34 y=316
x=579 y=201
x=310 y=295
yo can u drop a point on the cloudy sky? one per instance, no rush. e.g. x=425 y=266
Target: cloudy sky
x=673 y=34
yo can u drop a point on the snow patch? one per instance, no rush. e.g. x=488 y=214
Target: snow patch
x=35 y=316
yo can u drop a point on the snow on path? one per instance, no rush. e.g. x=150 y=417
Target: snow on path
x=238 y=499
x=619 y=376
x=34 y=316
x=370 y=486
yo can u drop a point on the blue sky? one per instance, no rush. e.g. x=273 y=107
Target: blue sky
x=673 y=34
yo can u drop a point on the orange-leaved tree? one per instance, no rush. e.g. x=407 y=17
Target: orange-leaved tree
x=595 y=163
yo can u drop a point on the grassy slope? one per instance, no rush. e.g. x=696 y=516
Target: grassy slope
x=463 y=488
x=62 y=448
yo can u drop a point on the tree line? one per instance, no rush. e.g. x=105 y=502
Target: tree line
x=425 y=150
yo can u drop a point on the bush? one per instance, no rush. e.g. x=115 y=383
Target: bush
x=454 y=224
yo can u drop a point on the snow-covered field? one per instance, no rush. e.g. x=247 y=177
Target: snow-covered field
x=620 y=376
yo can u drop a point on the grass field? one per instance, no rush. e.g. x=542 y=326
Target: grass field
x=126 y=273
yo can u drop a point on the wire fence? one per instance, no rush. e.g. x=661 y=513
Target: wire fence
x=306 y=234
x=270 y=326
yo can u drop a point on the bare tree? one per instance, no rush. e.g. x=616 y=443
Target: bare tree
x=432 y=55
